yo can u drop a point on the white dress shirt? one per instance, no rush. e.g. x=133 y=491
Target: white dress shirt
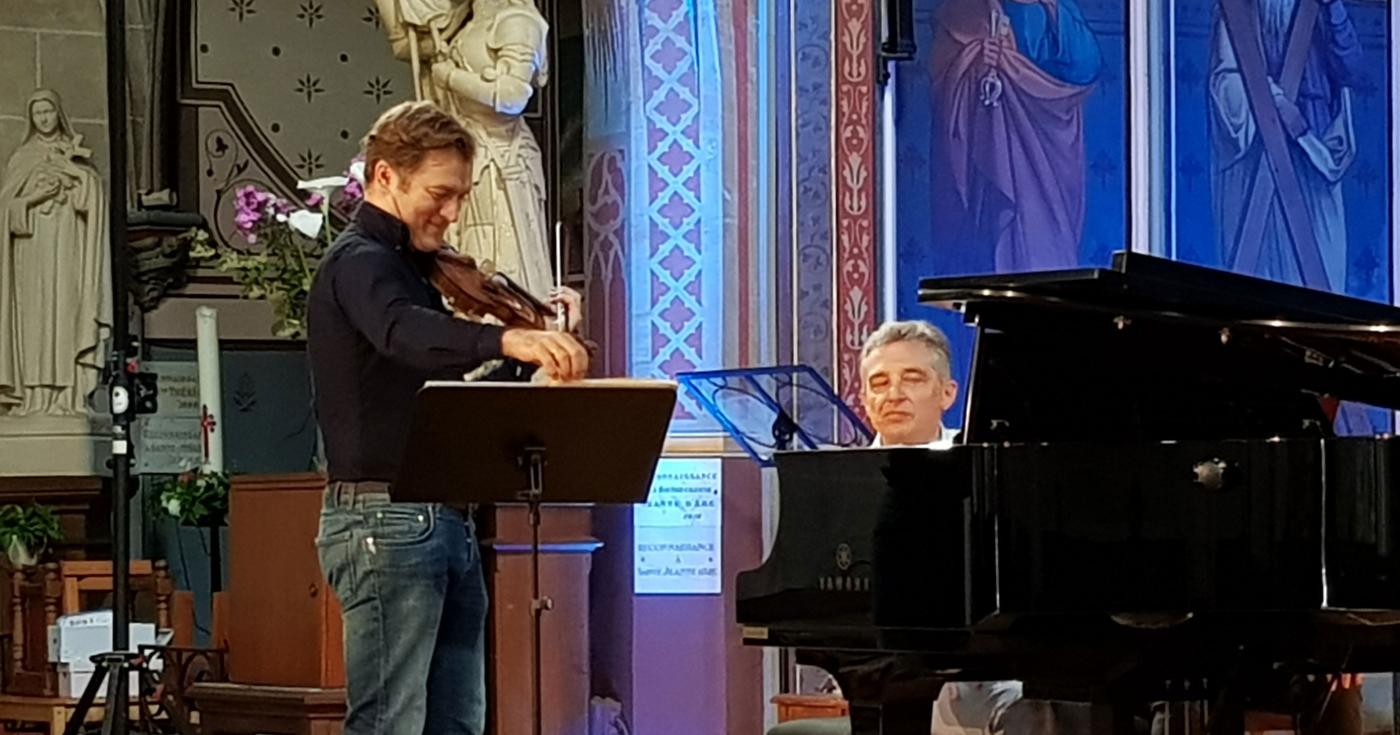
x=944 y=440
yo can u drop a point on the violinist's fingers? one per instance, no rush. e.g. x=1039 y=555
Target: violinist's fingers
x=575 y=360
x=551 y=359
x=558 y=345
x=578 y=357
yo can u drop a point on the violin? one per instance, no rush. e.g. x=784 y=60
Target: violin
x=474 y=292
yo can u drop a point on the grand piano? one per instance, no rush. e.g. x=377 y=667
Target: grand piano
x=1151 y=501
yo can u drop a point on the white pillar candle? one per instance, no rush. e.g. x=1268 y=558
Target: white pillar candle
x=206 y=320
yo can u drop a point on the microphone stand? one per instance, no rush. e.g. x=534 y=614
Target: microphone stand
x=115 y=665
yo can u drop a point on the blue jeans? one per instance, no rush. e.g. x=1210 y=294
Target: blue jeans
x=409 y=580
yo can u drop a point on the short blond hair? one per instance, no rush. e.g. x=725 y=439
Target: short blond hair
x=912 y=331
x=404 y=135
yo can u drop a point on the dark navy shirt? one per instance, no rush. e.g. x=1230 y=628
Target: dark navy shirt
x=376 y=330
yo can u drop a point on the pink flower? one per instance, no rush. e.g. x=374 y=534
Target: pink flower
x=250 y=205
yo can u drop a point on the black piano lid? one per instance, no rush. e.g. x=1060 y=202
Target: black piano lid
x=1146 y=284
x=1361 y=338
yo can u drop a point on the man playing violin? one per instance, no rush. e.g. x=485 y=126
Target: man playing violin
x=408 y=576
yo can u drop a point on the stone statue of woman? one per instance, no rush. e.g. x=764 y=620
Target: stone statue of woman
x=488 y=57
x=55 y=294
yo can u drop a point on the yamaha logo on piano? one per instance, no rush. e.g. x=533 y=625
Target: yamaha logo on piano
x=845 y=581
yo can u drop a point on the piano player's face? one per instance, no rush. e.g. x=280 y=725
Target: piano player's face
x=903 y=394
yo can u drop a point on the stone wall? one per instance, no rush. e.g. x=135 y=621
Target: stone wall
x=60 y=44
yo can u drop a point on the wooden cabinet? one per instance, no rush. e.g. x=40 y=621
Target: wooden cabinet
x=284 y=626
x=284 y=622
x=566 y=558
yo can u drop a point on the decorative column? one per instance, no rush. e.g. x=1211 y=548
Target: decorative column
x=676 y=266
x=605 y=188
x=857 y=301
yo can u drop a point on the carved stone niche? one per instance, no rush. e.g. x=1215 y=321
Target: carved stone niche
x=158 y=254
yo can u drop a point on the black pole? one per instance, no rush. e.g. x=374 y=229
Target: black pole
x=121 y=340
x=216 y=562
x=114 y=666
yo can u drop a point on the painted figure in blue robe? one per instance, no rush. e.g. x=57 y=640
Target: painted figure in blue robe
x=1321 y=141
x=1009 y=81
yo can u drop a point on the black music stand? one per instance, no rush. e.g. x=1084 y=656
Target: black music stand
x=490 y=442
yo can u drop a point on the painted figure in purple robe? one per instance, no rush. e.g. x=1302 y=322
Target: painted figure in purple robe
x=1009 y=82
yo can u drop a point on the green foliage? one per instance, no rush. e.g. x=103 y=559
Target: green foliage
x=196 y=498
x=34 y=526
x=279 y=272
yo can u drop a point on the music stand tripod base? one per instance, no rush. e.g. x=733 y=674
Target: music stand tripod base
x=113 y=667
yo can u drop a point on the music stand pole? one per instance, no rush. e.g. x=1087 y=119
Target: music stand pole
x=532 y=458
x=115 y=664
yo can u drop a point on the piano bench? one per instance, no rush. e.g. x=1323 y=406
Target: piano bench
x=809 y=706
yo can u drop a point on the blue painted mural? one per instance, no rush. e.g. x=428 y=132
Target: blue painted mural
x=1011 y=131
x=1322 y=217
x=1335 y=111
x=1041 y=181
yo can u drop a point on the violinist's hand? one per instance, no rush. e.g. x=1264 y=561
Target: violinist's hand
x=560 y=354
x=572 y=303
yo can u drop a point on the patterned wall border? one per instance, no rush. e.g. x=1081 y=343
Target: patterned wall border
x=805 y=208
x=857 y=300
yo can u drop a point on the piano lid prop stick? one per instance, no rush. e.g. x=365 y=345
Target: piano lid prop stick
x=560 y=313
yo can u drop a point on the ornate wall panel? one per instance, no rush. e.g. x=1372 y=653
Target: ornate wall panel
x=677 y=270
x=277 y=91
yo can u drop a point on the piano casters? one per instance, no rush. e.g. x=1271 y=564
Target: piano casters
x=532 y=458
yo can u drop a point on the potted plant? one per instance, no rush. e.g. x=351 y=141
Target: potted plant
x=27 y=530
x=282 y=243
x=196 y=497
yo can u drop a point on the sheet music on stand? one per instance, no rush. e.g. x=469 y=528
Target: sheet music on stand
x=777 y=408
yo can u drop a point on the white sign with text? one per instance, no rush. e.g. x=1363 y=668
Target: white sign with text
x=677 y=534
x=169 y=441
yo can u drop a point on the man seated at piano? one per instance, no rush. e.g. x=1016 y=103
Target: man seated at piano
x=907 y=383
x=906 y=386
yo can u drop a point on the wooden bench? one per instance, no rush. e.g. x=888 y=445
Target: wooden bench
x=247 y=709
